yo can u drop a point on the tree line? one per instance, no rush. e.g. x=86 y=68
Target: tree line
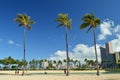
x=41 y=64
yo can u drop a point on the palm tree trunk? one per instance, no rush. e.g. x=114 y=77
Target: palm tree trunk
x=24 y=54
x=67 y=56
x=96 y=52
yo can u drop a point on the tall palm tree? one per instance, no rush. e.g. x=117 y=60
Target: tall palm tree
x=64 y=20
x=59 y=64
x=24 y=20
x=54 y=62
x=90 y=21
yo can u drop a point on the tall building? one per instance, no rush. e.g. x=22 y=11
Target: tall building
x=103 y=53
x=117 y=57
x=109 y=49
x=109 y=57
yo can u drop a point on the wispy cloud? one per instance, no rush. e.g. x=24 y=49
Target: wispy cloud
x=116 y=29
x=58 y=55
x=105 y=29
x=116 y=43
x=18 y=45
x=11 y=42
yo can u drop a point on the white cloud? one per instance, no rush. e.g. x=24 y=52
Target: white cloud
x=10 y=42
x=58 y=55
x=80 y=52
x=116 y=43
x=116 y=29
x=18 y=45
x=105 y=29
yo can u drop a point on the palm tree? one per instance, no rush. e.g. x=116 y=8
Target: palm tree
x=64 y=20
x=24 y=20
x=90 y=21
x=85 y=60
x=59 y=64
x=54 y=64
x=104 y=63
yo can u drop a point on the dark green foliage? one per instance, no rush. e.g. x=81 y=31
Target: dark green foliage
x=10 y=61
x=64 y=20
x=24 y=20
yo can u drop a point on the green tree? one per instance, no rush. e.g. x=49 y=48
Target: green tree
x=64 y=20
x=50 y=65
x=40 y=63
x=91 y=62
x=104 y=64
x=54 y=62
x=90 y=21
x=118 y=63
x=85 y=60
x=30 y=64
x=24 y=20
x=33 y=63
x=59 y=63
x=64 y=60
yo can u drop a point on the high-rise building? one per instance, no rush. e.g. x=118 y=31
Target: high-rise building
x=108 y=56
x=109 y=49
x=103 y=53
x=117 y=57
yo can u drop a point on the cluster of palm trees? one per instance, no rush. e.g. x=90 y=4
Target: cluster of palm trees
x=11 y=61
x=51 y=64
x=89 y=20
x=110 y=64
x=90 y=64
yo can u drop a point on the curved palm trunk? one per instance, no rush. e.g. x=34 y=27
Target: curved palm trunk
x=24 y=54
x=67 y=56
x=96 y=52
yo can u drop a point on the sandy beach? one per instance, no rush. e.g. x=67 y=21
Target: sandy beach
x=57 y=75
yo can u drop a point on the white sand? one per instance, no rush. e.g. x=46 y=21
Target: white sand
x=32 y=75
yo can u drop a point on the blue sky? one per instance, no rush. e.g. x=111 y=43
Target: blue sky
x=45 y=40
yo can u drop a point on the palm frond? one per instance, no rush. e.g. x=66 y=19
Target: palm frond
x=69 y=26
x=60 y=25
x=21 y=24
x=90 y=16
x=70 y=21
x=63 y=16
x=24 y=20
x=20 y=16
x=97 y=21
x=64 y=20
x=29 y=27
x=89 y=20
x=84 y=25
x=32 y=22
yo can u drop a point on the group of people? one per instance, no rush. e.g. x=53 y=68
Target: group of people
x=16 y=71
